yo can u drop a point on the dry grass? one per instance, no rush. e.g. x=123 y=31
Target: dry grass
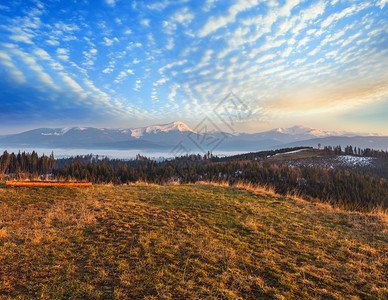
x=176 y=242
x=269 y=191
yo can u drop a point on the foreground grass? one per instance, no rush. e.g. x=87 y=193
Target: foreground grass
x=194 y=242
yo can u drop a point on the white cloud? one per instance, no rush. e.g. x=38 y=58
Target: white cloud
x=151 y=39
x=303 y=42
x=52 y=42
x=314 y=11
x=16 y=74
x=350 y=39
x=299 y=61
x=72 y=84
x=314 y=51
x=62 y=51
x=265 y=58
x=161 y=81
x=203 y=63
x=109 y=42
x=286 y=52
x=158 y=5
x=42 y=54
x=34 y=66
x=331 y=54
x=66 y=27
x=4 y=7
x=122 y=75
x=182 y=16
x=215 y=23
x=21 y=36
x=382 y=3
x=169 y=27
x=133 y=45
x=63 y=54
x=170 y=44
x=138 y=85
x=311 y=31
x=111 y=2
x=344 y=13
x=299 y=21
x=90 y=57
x=145 y=22
x=172 y=94
x=269 y=44
x=272 y=3
x=209 y=4
x=206 y=58
x=171 y=65
x=107 y=70
x=288 y=7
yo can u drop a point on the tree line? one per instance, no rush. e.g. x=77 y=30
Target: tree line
x=352 y=190
x=22 y=164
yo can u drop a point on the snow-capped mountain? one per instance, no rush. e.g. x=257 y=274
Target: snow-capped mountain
x=155 y=129
x=167 y=136
x=155 y=136
x=302 y=130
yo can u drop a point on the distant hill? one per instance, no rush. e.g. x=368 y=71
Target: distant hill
x=373 y=142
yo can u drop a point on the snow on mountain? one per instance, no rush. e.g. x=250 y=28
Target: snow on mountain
x=302 y=130
x=51 y=133
x=65 y=129
x=174 y=126
x=155 y=129
x=138 y=132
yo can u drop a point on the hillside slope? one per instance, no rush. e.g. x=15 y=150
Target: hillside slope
x=185 y=242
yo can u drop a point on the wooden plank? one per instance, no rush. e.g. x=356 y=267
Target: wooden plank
x=48 y=183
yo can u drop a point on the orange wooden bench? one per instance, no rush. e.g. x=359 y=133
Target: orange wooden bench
x=47 y=183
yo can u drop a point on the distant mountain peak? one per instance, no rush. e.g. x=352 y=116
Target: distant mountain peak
x=177 y=126
x=173 y=126
x=301 y=130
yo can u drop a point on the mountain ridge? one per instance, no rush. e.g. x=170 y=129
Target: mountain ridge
x=164 y=136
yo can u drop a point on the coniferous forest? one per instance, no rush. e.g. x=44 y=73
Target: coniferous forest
x=359 y=189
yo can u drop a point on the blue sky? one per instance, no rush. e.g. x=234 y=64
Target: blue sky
x=118 y=63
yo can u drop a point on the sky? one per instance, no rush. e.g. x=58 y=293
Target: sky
x=124 y=64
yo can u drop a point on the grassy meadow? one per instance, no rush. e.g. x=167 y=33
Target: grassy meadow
x=185 y=242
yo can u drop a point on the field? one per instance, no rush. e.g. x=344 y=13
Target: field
x=301 y=154
x=189 y=241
